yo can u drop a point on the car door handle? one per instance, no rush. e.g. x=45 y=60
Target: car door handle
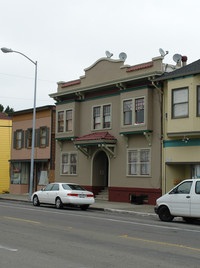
x=188 y=196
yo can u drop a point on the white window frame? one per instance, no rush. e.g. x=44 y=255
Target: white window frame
x=198 y=101
x=133 y=124
x=64 y=118
x=69 y=164
x=180 y=104
x=138 y=163
x=101 y=127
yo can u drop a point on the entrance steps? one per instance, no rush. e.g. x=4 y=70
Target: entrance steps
x=102 y=195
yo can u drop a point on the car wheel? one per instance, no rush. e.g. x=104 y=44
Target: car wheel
x=84 y=207
x=164 y=214
x=58 y=203
x=36 y=201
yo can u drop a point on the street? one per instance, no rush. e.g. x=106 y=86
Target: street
x=47 y=237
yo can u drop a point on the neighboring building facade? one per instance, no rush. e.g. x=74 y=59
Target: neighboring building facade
x=181 y=124
x=5 y=148
x=44 y=152
x=108 y=129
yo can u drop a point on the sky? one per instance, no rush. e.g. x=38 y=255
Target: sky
x=67 y=36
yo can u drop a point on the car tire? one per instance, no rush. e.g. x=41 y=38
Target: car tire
x=164 y=214
x=84 y=207
x=36 y=201
x=58 y=203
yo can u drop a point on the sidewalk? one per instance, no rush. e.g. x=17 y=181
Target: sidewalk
x=116 y=207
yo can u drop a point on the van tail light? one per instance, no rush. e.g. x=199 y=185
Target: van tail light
x=73 y=195
x=90 y=195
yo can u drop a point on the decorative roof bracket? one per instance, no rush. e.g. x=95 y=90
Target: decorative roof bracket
x=148 y=136
x=83 y=150
x=105 y=147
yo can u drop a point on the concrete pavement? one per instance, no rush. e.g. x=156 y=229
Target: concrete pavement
x=116 y=207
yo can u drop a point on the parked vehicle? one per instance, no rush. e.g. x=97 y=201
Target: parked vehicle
x=182 y=201
x=60 y=194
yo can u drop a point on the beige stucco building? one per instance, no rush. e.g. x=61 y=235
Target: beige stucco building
x=108 y=130
x=181 y=124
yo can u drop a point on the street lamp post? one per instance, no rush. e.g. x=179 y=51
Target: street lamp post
x=8 y=50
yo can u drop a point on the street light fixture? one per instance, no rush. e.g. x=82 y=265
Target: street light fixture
x=9 y=50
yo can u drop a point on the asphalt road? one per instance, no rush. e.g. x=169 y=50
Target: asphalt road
x=46 y=237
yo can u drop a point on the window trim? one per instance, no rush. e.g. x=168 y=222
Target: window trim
x=138 y=163
x=101 y=116
x=133 y=124
x=64 y=119
x=46 y=137
x=173 y=105
x=61 y=163
x=15 y=142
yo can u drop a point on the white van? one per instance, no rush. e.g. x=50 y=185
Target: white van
x=182 y=201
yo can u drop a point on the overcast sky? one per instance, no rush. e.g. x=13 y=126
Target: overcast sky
x=67 y=36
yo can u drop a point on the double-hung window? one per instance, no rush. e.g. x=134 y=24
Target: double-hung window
x=127 y=112
x=69 y=163
x=43 y=136
x=69 y=120
x=18 y=139
x=61 y=121
x=139 y=111
x=102 y=116
x=139 y=162
x=133 y=111
x=180 y=101
x=198 y=101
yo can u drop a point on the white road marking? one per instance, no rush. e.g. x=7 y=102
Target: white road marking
x=105 y=219
x=9 y=249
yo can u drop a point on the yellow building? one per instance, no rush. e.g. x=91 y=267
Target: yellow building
x=5 y=150
x=181 y=124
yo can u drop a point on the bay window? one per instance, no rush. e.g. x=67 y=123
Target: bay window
x=102 y=116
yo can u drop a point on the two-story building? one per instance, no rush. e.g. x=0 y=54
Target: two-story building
x=44 y=151
x=181 y=124
x=108 y=130
x=5 y=148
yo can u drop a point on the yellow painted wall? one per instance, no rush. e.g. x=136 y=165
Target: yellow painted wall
x=5 y=150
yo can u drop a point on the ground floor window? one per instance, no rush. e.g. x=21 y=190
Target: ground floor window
x=69 y=163
x=139 y=162
x=19 y=173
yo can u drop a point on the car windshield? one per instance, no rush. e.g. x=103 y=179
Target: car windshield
x=72 y=187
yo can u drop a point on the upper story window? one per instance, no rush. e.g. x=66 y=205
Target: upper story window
x=43 y=136
x=18 y=139
x=69 y=120
x=29 y=138
x=102 y=116
x=198 y=101
x=139 y=162
x=127 y=112
x=69 y=163
x=133 y=111
x=180 y=100
x=139 y=111
x=61 y=121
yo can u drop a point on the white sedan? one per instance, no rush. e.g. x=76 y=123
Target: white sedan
x=60 y=194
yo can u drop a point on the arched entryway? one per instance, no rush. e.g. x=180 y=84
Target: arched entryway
x=100 y=172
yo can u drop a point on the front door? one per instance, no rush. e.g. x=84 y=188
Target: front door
x=100 y=169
